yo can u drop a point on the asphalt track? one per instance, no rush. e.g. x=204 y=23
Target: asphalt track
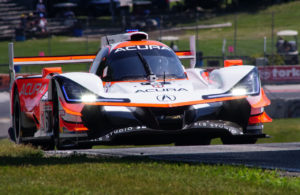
x=4 y=114
x=282 y=156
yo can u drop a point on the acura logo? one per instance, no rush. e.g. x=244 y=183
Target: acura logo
x=166 y=98
x=157 y=85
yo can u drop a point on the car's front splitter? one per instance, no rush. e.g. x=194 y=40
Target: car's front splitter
x=201 y=129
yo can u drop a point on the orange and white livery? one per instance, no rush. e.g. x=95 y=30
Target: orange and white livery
x=136 y=92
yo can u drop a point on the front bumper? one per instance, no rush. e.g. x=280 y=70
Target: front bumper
x=138 y=125
x=141 y=135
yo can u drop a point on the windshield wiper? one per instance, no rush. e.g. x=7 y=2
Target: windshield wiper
x=150 y=75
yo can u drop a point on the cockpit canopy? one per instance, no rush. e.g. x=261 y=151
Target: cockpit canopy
x=124 y=63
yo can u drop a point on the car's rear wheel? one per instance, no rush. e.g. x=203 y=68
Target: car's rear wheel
x=55 y=129
x=238 y=140
x=17 y=122
x=56 y=132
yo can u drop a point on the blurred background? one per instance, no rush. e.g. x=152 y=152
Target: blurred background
x=224 y=29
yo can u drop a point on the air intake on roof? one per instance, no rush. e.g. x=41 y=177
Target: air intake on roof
x=132 y=36
x=138 y=36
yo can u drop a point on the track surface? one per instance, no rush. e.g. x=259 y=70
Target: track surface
x=4 y=114
x=283 y=156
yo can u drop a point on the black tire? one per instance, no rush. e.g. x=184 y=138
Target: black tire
x=238 y=140
x=55 y=133
x=47 y=146
x=17 y=122
x=193 y=141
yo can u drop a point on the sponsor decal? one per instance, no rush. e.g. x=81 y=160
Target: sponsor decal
x=107 y=86
x=141 y=47
x=279 y=73
x=161 y=90
x=33 y=88
x=45 y=96
x=218 y=125
x=166 y=98
x=108 y=136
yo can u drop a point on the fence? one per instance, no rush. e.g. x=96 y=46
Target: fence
x=218 y=38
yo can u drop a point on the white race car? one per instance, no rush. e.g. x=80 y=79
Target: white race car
x=136 y=92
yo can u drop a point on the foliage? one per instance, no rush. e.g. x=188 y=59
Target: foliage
x=276 y=59
x=251 y=30
x=26 y=170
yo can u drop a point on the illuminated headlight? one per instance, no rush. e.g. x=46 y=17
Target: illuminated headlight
x=74 y=92
x=88 y=98
x=119 y=109
x=238 y=92
x=249 y=85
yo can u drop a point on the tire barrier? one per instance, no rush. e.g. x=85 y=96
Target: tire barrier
x=284 y=108
x=4 y=82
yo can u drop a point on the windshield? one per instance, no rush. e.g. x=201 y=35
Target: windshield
x=125 y=64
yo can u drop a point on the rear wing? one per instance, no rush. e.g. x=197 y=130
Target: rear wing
x=189 y=55
x=42 y=60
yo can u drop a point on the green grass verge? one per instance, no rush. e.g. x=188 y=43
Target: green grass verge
x=282 y=130
x=57 y=45
x=24 y=170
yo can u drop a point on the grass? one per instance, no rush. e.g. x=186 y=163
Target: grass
x=57 y=45
x=282 y=130
x=251 y=30
x=25 y=170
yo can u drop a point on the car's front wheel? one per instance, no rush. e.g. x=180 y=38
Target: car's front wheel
x=238 y=140
x=56 y=133
x=55 y=128
x=193 y=141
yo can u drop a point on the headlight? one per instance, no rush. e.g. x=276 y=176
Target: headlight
x=249 y=85
x=74 y=92
x=88 y=98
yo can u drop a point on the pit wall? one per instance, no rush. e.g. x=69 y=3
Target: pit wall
x=284 y=108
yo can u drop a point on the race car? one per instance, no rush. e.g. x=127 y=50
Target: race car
x=136 y=92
